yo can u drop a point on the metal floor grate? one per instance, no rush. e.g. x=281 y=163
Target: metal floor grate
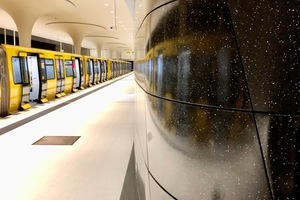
x=57 y=140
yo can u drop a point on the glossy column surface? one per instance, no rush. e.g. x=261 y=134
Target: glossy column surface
x=219 y=116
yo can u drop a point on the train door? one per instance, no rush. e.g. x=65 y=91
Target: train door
x=34 y=76
x=43 y=80
x=69 y=78
x=112 y=68
x=105 y=70
x=4 y=87
x=82 y=75
x=99 y=71
x=119 y=68
x=87 y=76
x=116 y=69
x=34 y=71
x=91 y=65
x=95 y=68
x=60 y=77
x=22 y=77
x=76 y=74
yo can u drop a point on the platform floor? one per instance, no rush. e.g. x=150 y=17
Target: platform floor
x=93 y=167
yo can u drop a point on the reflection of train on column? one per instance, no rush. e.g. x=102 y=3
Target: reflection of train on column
x=218 y=100
x=36 y=75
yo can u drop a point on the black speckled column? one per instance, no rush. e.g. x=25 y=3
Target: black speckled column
x=221 y=106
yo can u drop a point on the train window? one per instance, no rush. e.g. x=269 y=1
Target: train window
x=96 y=68
x=105 y=66
x=25 y=71
x=49 y=66
x=91 y=66
x=20 y=70
x=88 y=67
x=60 y=69
x=43 y=70
x=17 y=70
x=69 y=67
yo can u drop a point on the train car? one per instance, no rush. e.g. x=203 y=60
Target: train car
x=217 y=100
x=70 y=73
x=35 y=75
x=119 y=67
x=29 y=75
x=94 y=69
x=125 y=67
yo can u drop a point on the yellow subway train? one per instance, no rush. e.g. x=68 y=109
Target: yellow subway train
x=30 y=75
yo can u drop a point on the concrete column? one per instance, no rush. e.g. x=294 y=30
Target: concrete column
x=77 y=41
x=24 y=26
x=99 y=50
x=77 y=44
x=113 y=54
x=105 y=53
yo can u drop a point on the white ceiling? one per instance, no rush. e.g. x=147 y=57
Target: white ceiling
x=64 y=20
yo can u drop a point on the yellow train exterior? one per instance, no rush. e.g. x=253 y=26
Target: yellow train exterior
x=96 y=70
x=29 y=75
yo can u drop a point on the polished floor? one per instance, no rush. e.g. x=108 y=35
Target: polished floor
x=74 y=148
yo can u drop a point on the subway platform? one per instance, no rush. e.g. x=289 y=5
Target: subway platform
x=78 y=147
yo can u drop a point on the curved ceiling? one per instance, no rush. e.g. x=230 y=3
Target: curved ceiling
x=104 y=24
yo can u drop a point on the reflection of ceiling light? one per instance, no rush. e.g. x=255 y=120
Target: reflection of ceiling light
x=111 y=11
x=106 y=4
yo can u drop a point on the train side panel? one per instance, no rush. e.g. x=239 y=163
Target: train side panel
x=109 y=69
x=15 y=90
